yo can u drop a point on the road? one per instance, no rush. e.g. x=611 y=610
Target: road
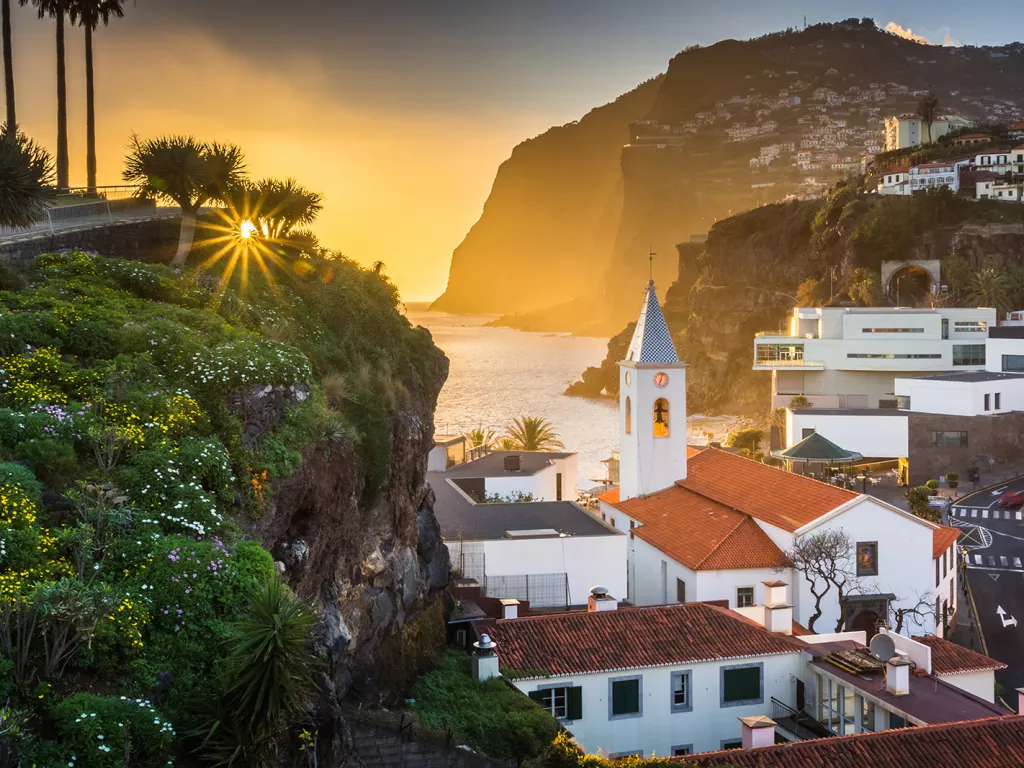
x=992 y=543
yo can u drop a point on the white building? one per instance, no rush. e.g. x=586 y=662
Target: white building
x=714 y=526
x=547 y=550
x=895 y=182
x=683 y=679
x=936 y=175
x=903 y=131
x=997 y=161
x=1008 y=191
x=848 y=357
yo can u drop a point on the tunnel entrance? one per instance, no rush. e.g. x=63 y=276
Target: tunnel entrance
x=910 y=285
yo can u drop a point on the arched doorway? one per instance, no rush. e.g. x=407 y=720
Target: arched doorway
x=909 y=285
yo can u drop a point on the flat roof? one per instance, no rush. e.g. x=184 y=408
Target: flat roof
x=461 y=519
x=1006 y=332
x=493 y=464
x=930 y=700
x=972 y=376
x=850 y=411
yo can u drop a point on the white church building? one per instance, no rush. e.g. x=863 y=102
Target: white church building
x=707 y=525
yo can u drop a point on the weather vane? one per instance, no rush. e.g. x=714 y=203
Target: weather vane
x=650 y=258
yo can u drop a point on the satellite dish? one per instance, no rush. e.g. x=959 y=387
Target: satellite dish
x=882 y=647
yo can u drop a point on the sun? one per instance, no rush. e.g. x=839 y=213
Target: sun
x=247 y=229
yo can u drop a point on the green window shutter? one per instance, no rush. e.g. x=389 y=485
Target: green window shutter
x=625 y=697
x=742 y=684
x=537 y=696
x=575 y=705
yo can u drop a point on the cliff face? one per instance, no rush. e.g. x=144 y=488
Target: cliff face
x=729 y=127
x=546 y=230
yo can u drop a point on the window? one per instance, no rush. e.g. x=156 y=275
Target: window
x=732 y=744
x=661 y=417
x=987 y=396
x=684 y=749
x=903 y=402
x=970 y=326
x=892 y=330
x=742 y=684
x=968 y=354
x=867 y=558
x=624 y=697
x=770 y=353
x=806 y=432
x=945 y=563
x=558 y=486
x=946 y=439
x=632 y=525
x=613 y=523
x=629 y=416
x=681 y=685
x=867 y=715
x=945 y=327
x=997 y=401
x=936 y=571
x=564 y=702
x=897 y=356
x=680 y=591
x=744 y=597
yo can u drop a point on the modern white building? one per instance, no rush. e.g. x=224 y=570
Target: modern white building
x=848 y=357
x=547 y=549
x=683 y=679
x=710 y=525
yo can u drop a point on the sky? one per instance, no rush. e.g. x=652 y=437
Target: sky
x=400 y=112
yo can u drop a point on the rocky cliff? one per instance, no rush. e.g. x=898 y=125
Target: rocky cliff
x=729 y=127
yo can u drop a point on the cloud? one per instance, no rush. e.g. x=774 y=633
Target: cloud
x=908 y=34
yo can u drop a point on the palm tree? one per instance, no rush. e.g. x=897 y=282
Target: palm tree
x=185 y=171
x=481 y=438
x=58 y=9
x=989 y=288
x=277 y=208
x=533 y=433
x=89 y=14
x=26 y=171
x=5 y=24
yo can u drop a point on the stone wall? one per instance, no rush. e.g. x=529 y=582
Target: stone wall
x=1000 y=437
x=150 y=239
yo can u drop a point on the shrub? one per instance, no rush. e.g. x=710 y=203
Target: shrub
x=745 y=438
x=952 y=477
x=932 y=485
x=108 y=732
x=53 y=460
x=799 y=401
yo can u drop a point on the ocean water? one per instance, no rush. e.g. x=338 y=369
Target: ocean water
x=498 y=374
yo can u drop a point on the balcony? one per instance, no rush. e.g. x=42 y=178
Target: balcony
x=799 y=724
x=770 y=365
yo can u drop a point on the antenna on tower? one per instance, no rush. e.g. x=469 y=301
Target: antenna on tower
x=650 y=257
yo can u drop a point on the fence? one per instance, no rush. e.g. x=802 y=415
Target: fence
x=543 y=590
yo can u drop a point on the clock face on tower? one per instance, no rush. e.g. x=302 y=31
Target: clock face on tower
x=661 y=380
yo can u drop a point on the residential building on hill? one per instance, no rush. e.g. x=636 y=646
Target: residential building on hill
x=895 y=182
x=716 y=526
x=849 y=357
x=902 y=131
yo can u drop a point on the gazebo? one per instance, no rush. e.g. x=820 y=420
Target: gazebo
x=816 y=449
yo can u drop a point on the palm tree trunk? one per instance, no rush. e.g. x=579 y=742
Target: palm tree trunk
x=90 y=114
x=188 y=231
x=62 y=109
x=5 y=12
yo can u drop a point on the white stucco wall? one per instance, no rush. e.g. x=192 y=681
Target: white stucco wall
x=542 y=484
x=659 y=729
x=981 y=684
x=996 y=348
x=962 y=398
x=872 y=436
x=586 y=560
x=722 y=585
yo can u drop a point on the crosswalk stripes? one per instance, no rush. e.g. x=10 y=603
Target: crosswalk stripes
x=991 y=560
x=977 y=559
x=974 y=513
x=994 y=562
x=984 y=514
x=1003 y=561
x=1019 y=516
x=995 y=515
x=1016 y=562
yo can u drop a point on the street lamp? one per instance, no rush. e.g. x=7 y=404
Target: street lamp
x=863 y=477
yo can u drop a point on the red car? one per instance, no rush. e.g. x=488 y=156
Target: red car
x=1011 y=499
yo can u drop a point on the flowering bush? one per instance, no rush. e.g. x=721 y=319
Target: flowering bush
x=112 y=732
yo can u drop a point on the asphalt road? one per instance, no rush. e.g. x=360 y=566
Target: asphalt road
x=992 y=543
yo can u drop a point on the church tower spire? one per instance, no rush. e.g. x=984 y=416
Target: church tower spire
x=652 y=406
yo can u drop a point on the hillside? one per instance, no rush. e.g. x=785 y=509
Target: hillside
x=731 y=126
x=173 y=444
x=747 y=277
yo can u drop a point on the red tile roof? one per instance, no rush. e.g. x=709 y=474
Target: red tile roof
x=610 y=497
x=943 y=538
x=783 y=499
x=952 y=659
x=700 y=533
x=996 y=742
x=632 y=638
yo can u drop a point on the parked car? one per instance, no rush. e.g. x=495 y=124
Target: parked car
x=1011 y=499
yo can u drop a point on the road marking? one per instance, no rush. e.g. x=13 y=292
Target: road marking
x=1019 y=515
x=991 y=560
x=963 y=513
x=977 y=559
x=1016 y=562
x=995 y=514
x=984 y=513
x=1007 y=622
x=974 y=513
x=1003 y=560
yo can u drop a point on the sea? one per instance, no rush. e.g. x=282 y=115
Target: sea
x=498 y=374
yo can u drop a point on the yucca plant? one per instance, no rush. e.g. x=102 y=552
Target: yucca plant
x=26 y=171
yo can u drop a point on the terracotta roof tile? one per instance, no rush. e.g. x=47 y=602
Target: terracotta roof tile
x=943 y=538
x=700 y=533
x=632 y=638
x=777 y=497
x=996 y=742
x=610 y=496
x=952 y=659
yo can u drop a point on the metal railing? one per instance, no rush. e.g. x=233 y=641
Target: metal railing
x=789 y=363
x=86 y=215
x=798 y=722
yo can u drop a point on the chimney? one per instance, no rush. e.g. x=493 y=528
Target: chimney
x=778 y=614
x=513 y=463
x=509 y=608
x=897 y=676
x=485 y=660
x=774 y=591
x=758 y=731
x=600 y=600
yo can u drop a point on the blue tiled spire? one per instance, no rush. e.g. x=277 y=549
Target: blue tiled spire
x=652 y=342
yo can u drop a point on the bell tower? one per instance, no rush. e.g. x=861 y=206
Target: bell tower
x=652 y=406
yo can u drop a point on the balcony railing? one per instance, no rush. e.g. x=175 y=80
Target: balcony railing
x=799 y=723
x=817 y=364
x=783 y=333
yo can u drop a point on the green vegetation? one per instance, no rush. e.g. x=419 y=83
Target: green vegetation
x=532 y=433
x=490 y=716
x=748 y=440
x=25 y=171
x=917 y=497
x=124 y=564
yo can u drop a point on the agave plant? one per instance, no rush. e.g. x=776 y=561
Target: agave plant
x=533 y=433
